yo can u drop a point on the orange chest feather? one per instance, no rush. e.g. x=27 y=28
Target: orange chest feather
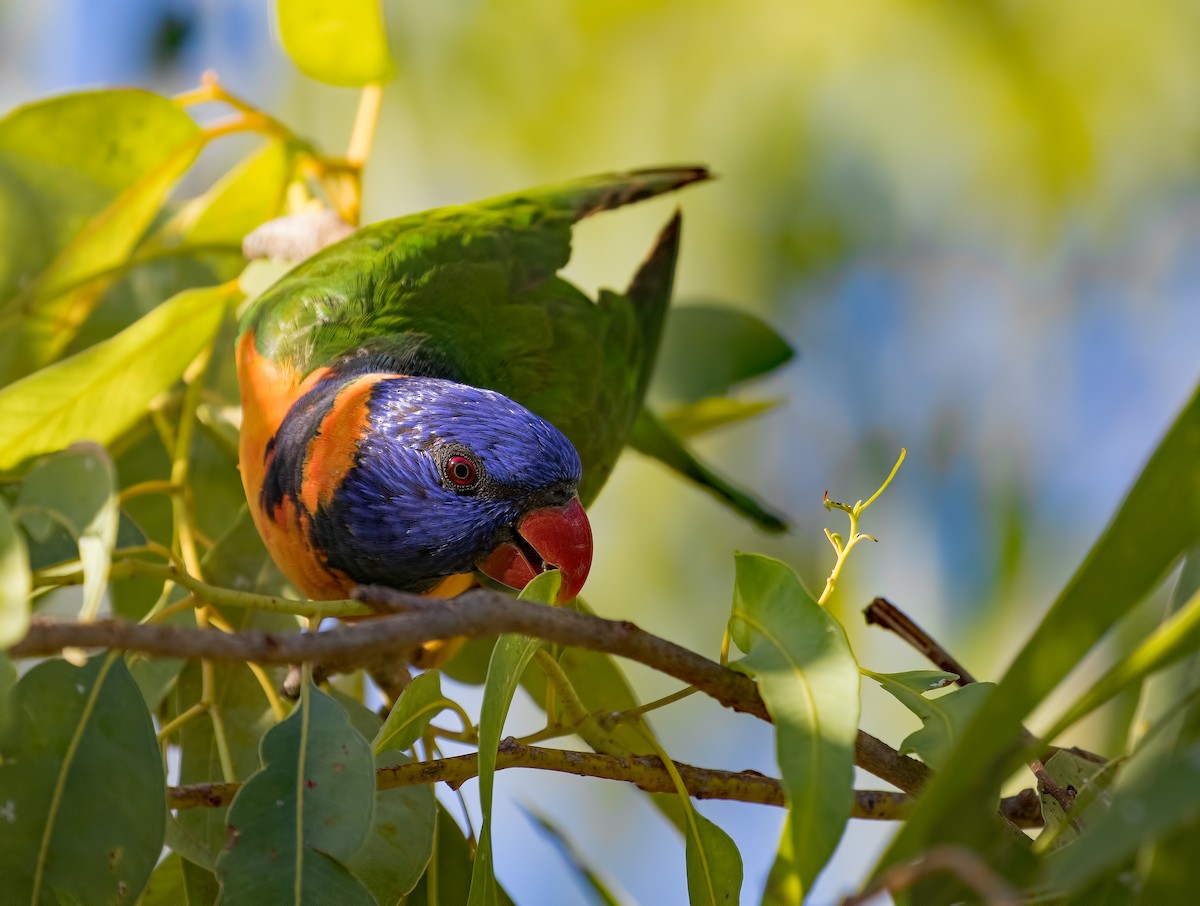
x=269 y=391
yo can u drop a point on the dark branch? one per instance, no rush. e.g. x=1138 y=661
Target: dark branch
x=882 y=612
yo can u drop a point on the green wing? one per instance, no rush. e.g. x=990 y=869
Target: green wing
x=478 y=284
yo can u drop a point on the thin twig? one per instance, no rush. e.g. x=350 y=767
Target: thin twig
x=955 y=860
x=1064 y=796
x=475 y=614
x=882 y=612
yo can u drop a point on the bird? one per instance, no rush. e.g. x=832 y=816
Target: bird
x=428 y=399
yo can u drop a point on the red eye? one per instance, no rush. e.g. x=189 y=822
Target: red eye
x=461 y=471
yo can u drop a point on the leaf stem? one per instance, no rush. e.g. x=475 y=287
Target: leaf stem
x=180 y=719
x=362 y=137
x=631 y=713
x=184 y=540
x=214 y=594
x=578 y=718
x=145 y=488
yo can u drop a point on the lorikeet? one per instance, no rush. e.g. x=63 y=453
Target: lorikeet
x=427 y=397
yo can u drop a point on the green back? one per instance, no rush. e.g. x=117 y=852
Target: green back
x=480 y=282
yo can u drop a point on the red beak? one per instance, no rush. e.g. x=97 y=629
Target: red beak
x=550 y=538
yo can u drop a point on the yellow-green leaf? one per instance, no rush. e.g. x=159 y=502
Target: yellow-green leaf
x=14 y=581
x=343 y=43
x=100 y=392
x=1176 y=638
x=47 y=311
x=65 y=159
x=248 y=195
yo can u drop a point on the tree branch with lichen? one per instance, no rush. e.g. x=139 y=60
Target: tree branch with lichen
x=644 y=771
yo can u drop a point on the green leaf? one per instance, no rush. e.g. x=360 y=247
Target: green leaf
x=188 y=846
x=510 y=657
x=82 y=781
x=342 y=43
x=1177 y=638
x=418 y=704
x=602 y=687
x=215 y=484
x=447 y=880
x=240 y=560
x=156 y=676
x=809 y=681
x=8 y=682
x=295 y=823
x=708 y=349
x=1141 y=811
x=77 y=490
x=589 y=877
x=99 y=393
x=1169 y=720
x=943 y=717
x=365 y=721
x=15 y=582
x=400 y=843
x=166 y=886
x=652 y=438
x=1069 y=771
x=1157 y=522
x=714 y=865
x=201 y=885
x=42 y=317
x=709 y=414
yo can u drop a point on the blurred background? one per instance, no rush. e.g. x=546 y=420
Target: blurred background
x=978 y=223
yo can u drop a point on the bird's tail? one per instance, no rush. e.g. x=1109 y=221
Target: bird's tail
x=581 y=198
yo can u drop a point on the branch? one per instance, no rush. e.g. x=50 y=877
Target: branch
x=477 y=613
x=644 y=771
x=883 y=612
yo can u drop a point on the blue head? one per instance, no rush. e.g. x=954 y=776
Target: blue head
x=449 y=478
